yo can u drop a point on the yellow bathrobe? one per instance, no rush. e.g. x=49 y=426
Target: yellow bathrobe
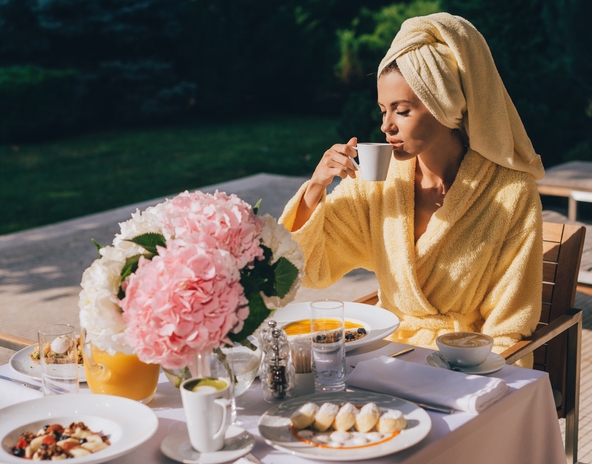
x=477 y=267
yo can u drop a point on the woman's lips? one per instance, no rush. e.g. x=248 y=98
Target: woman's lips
x=396 y=143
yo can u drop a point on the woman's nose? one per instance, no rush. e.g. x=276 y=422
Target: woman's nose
x=387 y=126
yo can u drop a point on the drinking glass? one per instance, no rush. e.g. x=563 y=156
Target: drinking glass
x=327 y=326
x=58 y=357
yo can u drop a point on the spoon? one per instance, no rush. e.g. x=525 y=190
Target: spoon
x=447 y=363
x=399 y=353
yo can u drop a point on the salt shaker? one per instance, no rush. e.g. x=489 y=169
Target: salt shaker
x=277 y=372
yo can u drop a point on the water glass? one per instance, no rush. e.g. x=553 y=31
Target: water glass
x=58 y=357
x=327 y=326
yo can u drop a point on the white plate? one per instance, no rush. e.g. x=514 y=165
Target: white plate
x=127 y=422
x=493 y=363
x=275 y=427
x=237 y=443
x=378 y=322
x=21 y=362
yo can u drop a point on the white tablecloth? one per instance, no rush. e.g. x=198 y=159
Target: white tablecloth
x=520 y=428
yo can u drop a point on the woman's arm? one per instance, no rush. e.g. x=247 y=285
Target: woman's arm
x=336 y=161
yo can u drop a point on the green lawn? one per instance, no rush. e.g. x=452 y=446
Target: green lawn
x=46 y=183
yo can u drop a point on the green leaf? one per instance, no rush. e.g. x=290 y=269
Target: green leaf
x=97 y=245
x=285 y=275
x=257 y=206
x=149 y=241
x=258 y=312
x=130 y=266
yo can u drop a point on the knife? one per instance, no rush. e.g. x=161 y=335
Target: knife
x=20 y=382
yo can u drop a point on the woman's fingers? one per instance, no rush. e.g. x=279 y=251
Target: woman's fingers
x=336 y=162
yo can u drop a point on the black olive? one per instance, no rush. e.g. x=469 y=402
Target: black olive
x=82 y=440
x=63 y=437
x=18 y=452
x=45 y=427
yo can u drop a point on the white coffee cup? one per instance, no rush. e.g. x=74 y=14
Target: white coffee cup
x=207 y=411
x=374 y=160
x=465 y=349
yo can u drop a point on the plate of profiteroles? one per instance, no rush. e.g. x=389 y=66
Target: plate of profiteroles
x=89 y=428
x=364 y=323
x=344 y=426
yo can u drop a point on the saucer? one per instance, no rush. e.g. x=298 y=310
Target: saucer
x=237 y=443
x=493 y=363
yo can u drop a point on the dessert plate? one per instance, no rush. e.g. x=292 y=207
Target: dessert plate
x=128 y=423
x=378 y=322
x=276 y=429
x=493 y=363
x=237 y=443
x=22 y=363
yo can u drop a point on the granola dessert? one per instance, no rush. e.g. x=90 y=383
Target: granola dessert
x=56 y=351
x=54 y=442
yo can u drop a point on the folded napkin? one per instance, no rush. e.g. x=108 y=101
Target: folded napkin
x=12 y=393
x=427 y=384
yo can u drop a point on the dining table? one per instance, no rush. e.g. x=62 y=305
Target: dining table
x=521 y=427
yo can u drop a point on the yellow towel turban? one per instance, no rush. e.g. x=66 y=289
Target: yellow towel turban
x=447 y=63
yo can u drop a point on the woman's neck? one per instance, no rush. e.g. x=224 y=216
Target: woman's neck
x=438 y=170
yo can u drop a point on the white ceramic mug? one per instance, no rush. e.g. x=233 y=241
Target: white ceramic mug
x=207 y=411
x=374 y=160
x=465 y=349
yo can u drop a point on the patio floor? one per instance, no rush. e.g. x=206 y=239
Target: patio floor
x=40 y=272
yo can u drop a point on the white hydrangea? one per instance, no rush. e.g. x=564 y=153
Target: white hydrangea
x=100 y=313
x=277 y=238
x=142 y=222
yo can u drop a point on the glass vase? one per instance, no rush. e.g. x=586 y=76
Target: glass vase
x=119 y=374
x=238 y=362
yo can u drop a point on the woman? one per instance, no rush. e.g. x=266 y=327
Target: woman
x=454 y=233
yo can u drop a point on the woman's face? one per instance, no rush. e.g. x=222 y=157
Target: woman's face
x=409 y=127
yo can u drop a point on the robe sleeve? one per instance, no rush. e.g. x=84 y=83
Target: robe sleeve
x=336 y=238
x=512 y=307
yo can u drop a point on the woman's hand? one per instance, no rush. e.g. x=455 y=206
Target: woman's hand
x=336 y=162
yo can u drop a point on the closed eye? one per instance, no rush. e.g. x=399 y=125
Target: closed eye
x=403 y=113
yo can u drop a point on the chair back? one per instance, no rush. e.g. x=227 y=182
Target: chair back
x=562 y=252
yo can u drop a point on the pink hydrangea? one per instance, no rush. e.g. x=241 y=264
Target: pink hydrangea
x=226 y=218
x=185 y=300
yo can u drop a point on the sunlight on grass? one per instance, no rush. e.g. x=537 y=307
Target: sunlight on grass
x=46 y=183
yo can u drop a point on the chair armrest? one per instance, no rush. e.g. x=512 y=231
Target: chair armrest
x=371 y=299
x=542 y=336
x=14 y=342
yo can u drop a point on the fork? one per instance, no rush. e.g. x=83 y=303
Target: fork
x=252 y=458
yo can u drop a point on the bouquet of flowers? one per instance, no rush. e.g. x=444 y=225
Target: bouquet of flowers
x=188 y=275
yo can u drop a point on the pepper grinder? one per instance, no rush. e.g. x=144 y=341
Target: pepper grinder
x=277 y=372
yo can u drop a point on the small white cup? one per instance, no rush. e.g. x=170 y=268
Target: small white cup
x=465 y=349
x=207 y=412
x=374 y=160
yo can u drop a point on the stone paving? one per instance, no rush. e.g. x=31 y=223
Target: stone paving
x=40 y=272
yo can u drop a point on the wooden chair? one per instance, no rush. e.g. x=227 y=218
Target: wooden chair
x=14 y=343
x=557 y=339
